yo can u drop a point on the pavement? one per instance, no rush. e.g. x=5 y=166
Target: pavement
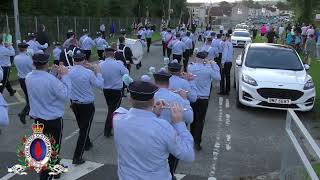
x=237 y=143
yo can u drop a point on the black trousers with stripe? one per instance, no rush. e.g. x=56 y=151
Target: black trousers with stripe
x=199 y=115
x=54 y=128
x=148 y=43
x=177 y=57
x=173 y=164
x=26 y=109
x=84 y=114
x=88 y=54
x=113 y=98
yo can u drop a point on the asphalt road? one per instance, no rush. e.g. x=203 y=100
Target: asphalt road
x=236 y=142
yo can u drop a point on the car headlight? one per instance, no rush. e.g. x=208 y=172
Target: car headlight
x=309 y=85
x=249 y=80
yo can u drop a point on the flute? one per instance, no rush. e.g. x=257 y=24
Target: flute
x=168 y=106
x=177 y=90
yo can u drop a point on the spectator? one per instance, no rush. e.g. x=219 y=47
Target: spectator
x=310 y=49
x=310 y=31
x=281 y=33
x=304 y=33
x=271 y=36
x=42 y=36
x=263 y=30
x=254 y=32
x=112 y=30
x=289 y=38
x=103 y=31
x=318 y=45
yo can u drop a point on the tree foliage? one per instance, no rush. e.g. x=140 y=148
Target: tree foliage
x=304 y=10
x=95 y=8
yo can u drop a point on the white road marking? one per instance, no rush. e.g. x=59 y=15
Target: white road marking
x=179 y=176
x=76 y=172
x=217 y=145
x=71 y=135
x=227 y=103
x=8 y=176
x=228 y=136
x=212 y=178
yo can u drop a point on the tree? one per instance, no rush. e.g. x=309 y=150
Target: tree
x=304 y=10
x=282 y=6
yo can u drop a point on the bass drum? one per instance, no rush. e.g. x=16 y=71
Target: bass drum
x=136 y=48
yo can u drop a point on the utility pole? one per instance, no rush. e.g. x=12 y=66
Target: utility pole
x=16 y=19
x=169 y=12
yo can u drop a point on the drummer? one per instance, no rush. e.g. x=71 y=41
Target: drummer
x=144 y=45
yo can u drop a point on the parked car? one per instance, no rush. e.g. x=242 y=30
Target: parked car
x=273 y=76
x=240 y=37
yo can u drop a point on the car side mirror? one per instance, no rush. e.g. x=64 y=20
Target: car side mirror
x=239 y=62
x=306 y=66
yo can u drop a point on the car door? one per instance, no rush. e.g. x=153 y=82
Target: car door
x=238 y=67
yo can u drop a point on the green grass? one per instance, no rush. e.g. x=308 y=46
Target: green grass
x=260 y=39
x=315 y=73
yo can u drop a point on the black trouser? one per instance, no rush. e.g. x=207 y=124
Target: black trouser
x=173 y=164
x=56 y=62
x=177 y=57
x=26 y=109
x=113 y=98
x=193 y=46
x=169 y=51
x=5 y=81
x=218 y=60
x=84 y=115
x=103 y=33
x=163 y=48
x=148 y=43
x=88 y=54
x=100 y=54
x=186 y=56
x=54 y=128
x=225 y=78
x=199 y=115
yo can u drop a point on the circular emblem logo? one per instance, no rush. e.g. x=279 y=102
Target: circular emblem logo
x=38 y=151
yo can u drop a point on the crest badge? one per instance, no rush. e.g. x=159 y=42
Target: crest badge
x=38 y=152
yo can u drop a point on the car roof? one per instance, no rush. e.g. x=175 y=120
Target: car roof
x=270 y=46
x=241 y=30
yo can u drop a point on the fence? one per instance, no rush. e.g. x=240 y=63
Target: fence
x=300 y=159
x=58 y=26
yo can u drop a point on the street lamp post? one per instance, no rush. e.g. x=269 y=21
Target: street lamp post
x=16 y=19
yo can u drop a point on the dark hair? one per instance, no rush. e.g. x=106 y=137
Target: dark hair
x=219 y=36
x=121 y=39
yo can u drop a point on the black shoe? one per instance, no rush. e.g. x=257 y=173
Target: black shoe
x=57 y=176
x=12 y=92
x=88 y=147
x=197 y=147
x=22 y=118
x=222 y=93
x=108 y=134
x=78 y=161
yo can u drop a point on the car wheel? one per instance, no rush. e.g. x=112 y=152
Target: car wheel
x=239 y=104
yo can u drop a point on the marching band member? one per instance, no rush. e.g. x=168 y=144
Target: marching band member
x=112 y=72
x=56 y=53
x=178 y=82
x=217 y=44
x=101 y=44
x=66 y=56
x=24 y=65
x=178 y=48
x=144 y=45
x=4 y=117
x=124 y=53
x=144 y=141
x=82 y=101
x=226 y=64
x=206 y=72
x=189 y=45
x=163 y=35
x=168 y=38
x=149 y=33
x=164 y=94
x=6 y=51
x=86 y=43
x=142 y=32
x=47 y=97
x=35 y=45
x=212 y=51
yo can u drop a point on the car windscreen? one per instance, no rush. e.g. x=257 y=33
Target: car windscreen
x=241 y=34
x=273 y=58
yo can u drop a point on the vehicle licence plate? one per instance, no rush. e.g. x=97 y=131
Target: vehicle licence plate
x=279 y=101
x=241 y=42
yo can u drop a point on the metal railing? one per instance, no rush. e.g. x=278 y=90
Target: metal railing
x=298 y=148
